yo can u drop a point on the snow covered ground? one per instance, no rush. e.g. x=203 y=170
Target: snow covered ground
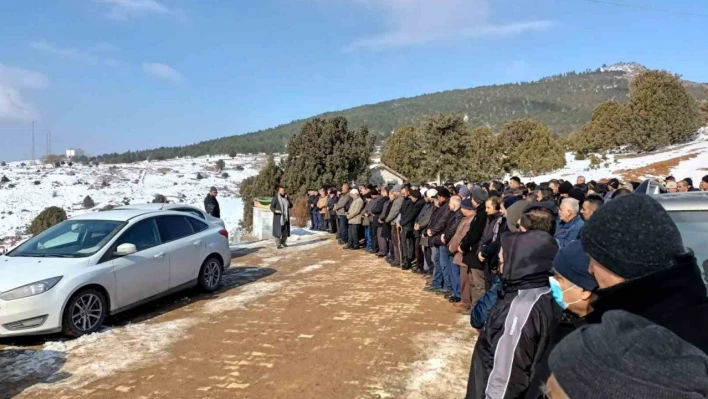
x=681 y=161
x=34 y=187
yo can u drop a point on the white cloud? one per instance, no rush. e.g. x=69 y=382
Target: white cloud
x=126 y=9
x=416 y=22
x=12 y=82
x=73 y=54
x=162 y=71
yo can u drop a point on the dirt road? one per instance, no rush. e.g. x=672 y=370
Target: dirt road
x=309 y=321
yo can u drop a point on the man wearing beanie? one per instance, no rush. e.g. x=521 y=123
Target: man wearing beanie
x=626 y=357
x=518 y=330
x=211 y=204
x=641 y=266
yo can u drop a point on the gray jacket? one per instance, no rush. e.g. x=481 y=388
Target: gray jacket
x=395 y=210
x=343 y=204
x=356 y=209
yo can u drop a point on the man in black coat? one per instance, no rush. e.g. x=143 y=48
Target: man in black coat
x=440 y=283
x=641 y=266
x=519 y=328
x=446 y=256
x=280 y=205
x=470 y=244
x=211 y=205
x=408 y=217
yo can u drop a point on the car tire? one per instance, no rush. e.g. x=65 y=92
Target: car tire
x=211 y=274
x=85 y=312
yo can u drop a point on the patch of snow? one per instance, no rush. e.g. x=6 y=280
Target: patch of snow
x=248 y=294
x=91 y=357
x=630 y=68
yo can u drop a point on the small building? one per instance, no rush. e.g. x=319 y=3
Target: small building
x=74 y=152
x=382 y=174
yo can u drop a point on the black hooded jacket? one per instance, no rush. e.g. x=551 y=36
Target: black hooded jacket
x=674 y=298
x=520 y=326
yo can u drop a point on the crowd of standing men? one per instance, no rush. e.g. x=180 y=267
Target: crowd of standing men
x=577 y=290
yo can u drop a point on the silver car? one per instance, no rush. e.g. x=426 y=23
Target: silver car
x=690 y=213
x=193 y=210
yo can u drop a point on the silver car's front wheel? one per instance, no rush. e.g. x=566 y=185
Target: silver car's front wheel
x=84 y=313
x=211 y=274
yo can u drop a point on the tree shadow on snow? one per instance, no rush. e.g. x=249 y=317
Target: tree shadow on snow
x=21 y=369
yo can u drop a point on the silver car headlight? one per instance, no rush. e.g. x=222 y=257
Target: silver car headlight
x=30 y=289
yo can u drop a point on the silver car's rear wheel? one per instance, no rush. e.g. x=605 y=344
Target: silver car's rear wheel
x=211 y=274
x=84 y=313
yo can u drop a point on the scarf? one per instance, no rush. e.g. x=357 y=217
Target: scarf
x=284 y=211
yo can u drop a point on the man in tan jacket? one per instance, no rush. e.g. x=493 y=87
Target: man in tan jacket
x=468 y=214
x=354 y=219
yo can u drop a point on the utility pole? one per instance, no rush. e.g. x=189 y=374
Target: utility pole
x=32 y=141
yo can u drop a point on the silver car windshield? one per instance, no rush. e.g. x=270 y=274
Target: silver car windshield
x=693 y=226
x=69 y=239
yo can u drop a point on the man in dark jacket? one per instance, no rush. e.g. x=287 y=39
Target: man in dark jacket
x=423 y=254
x=639 y=261
x=211 y=205
x=518 y=330
x=394 y=212
x=280 y=205
x=470 y=244
x=407 y=222
x=341 y=208
x=446 y=256
x=440 y=283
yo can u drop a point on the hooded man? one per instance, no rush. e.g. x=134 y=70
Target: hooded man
x=639 y=261
x=518 y=331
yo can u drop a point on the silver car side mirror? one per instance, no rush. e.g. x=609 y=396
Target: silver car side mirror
x=125 y=249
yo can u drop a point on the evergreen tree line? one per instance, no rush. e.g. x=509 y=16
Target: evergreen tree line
x=660 y=112
x=563 y=103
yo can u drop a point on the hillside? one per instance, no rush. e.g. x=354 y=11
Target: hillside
x=563 y=102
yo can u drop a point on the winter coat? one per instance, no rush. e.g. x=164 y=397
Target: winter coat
x=450 y=229
x=411 y=214
x=674 y=298
x=394 y=210
x=322 y=205
x=462 y=228
x=481 y=309
x=568 y=232
x=343 y=204
x=356 y=209
x=491 y=240
x=331 y=202
x=437 y=226
x=377 y=208
x=312 y=202
x=422 y=221
x=471 y=243
x=518 y=331
x=275 y=206
x=366 y=214
x=385 y=227
x=211 y=206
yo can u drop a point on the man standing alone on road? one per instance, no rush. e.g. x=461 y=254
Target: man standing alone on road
x=280 y=206
x=211 y=205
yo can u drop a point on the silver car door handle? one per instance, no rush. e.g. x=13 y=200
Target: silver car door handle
x=197 y=243
x=160 y=255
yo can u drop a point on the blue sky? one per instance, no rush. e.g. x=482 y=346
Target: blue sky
x=116 y=75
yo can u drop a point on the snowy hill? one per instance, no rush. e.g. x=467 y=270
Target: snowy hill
x=681 y=161
x=32 y=188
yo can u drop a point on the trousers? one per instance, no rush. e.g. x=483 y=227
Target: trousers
x=343 y=228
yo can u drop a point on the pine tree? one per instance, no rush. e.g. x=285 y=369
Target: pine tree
x=404 y=154
x=512 y=139
x=541 y=154
x=445 y=139
x=485 y=157
x=88 y=202
x=662 y=111
x=263 y=185
x=326 y=153
x=220 y=165
x=608 y=129
x=46 y=219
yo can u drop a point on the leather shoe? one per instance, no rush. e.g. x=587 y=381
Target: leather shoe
x=454 y=299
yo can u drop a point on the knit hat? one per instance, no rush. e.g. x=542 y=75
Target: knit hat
x=432 y=193
x=423 y=191
x=467 y=204
x=627 y=356
x=565 y=187
x=396 y=189
x=513 y=214
x=632 y=236
x=479 y=195
x=509 y=201
x=463 y=192
x=572 y=263
x=578 y=194
x=443 y=192
x=415 y=194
